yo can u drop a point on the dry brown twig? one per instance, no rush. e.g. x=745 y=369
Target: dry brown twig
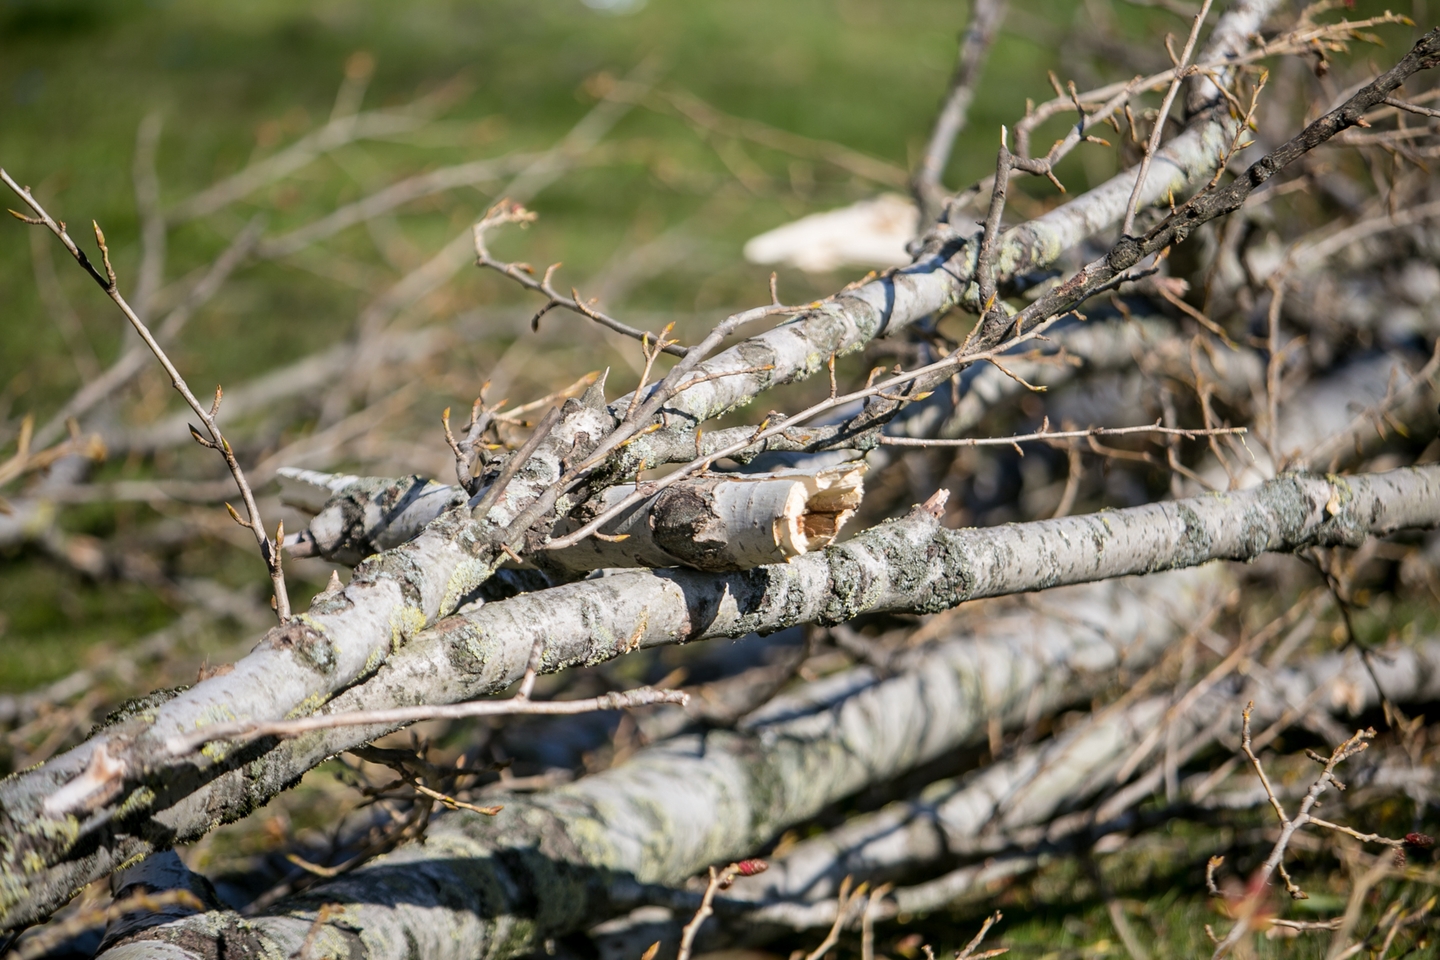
x=844 y=906
x=522 y=273
x=212 y=438
x=25 y=460
x=1289 y=826
x=968 y=952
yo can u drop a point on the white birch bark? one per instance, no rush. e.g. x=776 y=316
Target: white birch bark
x=942 y=276
x=1005 y=809
x=719 y=522
x=703 y=799
x=911 y=565
x=567 y=858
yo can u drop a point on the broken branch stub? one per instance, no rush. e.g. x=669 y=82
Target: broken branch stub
x=721 y=523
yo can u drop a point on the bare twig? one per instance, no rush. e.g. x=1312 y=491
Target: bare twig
x=507 y=212
x=1288 y=825
x=719 y=880
x=844 y=906
x=1181 y=71
x=985 y=19
x=968 y=953
x=245 y=730
x=213 y=438
x=1044 y=433
x=132 y=361
x=26 y=460
x=1412 y=107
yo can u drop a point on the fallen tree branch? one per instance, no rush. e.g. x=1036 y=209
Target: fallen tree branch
x=1016 y=813
x=212 y=438
x=572 y=856
x=910 y=565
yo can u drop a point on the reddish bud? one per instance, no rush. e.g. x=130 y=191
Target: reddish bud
x=1419 y=840
x=748 y=868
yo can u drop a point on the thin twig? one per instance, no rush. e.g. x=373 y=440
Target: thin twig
x=214 y=439
x=1288 y=825
x=507 y=212
x=1412 y=107
x=1045 y=434
x=719 y=880
x=1153 y=146
x=243 y=731
x=926 y=184
x=844 y=904
x=968 y=953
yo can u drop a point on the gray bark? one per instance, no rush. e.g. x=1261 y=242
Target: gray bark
x=911 y=565
x=570 y=857
x=708 y=783
x=989 y=810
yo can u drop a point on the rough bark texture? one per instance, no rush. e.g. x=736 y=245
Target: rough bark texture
x=912 y=565
x=558 y=861
x=347 y=635
x=981 y=813
x=51 y=811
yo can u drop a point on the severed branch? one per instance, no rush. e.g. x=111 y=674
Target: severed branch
x=912 y=565
x=704 y=795
x=213 y=438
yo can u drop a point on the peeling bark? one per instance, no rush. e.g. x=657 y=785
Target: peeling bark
x=718 y=522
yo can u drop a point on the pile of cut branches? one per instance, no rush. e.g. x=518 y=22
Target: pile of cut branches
x=950 y=681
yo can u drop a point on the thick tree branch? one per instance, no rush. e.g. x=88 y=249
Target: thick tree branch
x=908 y=565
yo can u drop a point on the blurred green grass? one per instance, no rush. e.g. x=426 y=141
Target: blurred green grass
x=77 y=77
